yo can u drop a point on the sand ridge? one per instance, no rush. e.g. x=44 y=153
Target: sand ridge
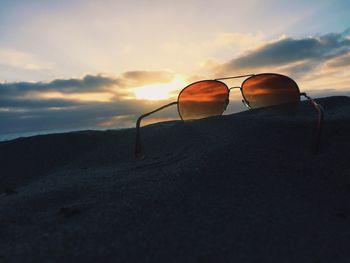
x=245 y=187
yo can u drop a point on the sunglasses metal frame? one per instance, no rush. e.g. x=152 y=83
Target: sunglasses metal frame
x=138 y=146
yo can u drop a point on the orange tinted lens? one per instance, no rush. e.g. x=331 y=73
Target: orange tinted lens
x=202 y=99
x=270 y=89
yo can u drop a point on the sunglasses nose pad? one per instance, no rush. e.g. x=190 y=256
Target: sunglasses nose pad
x=246 y=104
x=227 y=101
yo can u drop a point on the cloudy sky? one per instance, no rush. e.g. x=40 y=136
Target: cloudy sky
x=98 y=64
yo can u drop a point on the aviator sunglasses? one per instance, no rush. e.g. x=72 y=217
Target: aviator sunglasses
x=206 y=98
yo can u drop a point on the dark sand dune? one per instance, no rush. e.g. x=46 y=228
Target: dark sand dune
x=238 y=188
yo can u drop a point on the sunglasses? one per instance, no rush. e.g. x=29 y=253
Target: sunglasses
x=208 y=98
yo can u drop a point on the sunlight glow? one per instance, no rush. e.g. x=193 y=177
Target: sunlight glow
x=86 y=97
x=159 y=91
x=12 y=110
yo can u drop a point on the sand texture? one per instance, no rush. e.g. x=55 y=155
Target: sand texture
x=245 y=187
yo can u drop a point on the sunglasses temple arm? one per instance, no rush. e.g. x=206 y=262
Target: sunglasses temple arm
x=320 y=111
x=138 y=146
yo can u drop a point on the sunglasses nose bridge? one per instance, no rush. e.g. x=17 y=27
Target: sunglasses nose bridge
x=234 y=88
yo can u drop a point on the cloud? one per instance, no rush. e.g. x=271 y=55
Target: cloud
x=225 y=40
x=341 y=61
x=138 y=78
x=117 y=114
x=31 y=104
x=319 y=64
x=88 y=83
x=290 y=54
x=74 y=104
x=22 y=60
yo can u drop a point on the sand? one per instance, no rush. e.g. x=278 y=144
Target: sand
x=245 y=187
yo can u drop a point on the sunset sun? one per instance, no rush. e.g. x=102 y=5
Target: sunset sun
x=161 y=91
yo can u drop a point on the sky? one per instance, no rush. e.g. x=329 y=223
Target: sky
x=72 y=65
